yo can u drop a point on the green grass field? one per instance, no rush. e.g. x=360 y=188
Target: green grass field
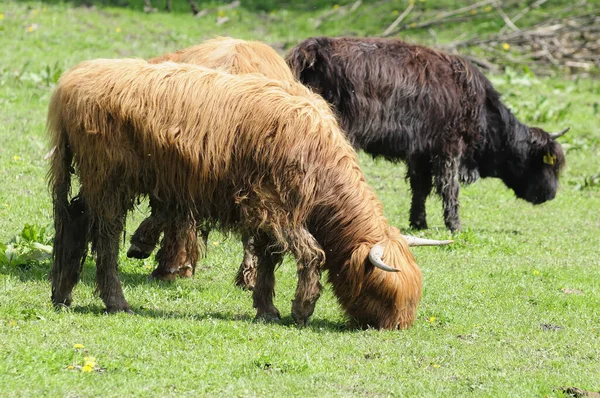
x=511 y=309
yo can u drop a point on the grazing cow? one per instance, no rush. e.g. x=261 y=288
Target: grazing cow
x=232 y=56
x=435 y=111
x=250 y=154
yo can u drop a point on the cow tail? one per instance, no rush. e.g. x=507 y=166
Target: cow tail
x=71 y=217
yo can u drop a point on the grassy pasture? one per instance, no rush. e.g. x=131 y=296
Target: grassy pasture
x=511 y=309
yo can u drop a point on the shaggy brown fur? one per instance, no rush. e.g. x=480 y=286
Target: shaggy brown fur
x=232 y=56
x=254 y=155
x=435 y=111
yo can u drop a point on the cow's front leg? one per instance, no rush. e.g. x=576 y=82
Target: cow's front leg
x=179 y=250
x=419 y=176
x=268 y=257
x=310 y=258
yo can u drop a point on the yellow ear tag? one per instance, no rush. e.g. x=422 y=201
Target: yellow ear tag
x=549 y=159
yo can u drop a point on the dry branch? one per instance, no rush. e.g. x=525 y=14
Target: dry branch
x=399 y=19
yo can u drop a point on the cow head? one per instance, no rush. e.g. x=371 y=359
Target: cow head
x=534 y=169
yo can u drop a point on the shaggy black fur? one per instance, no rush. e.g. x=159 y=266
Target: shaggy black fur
x=435 y=111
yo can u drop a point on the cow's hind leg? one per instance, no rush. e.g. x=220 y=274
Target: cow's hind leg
x=72 y=226
x=264 y=289
x=246 y=275
x=106 y=234
x=448 y=187
x=310 y=257
x=419 y=176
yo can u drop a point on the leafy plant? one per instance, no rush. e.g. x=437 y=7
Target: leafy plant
x=33 y=244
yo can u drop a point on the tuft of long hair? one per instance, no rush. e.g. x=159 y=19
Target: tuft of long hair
x=246 y=152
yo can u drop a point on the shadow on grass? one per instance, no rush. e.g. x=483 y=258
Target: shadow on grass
x=316 y=325
x=41 y=272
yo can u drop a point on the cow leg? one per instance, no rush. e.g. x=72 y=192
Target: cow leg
x=146 y=237
x=264 y=289
x=310 y=257
x=105 y=243
x=448 y=187
x=178 y=252
x=419 y=176
x=246 y=275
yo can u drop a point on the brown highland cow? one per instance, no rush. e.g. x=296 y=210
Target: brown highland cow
x=250 y=154
x=232 y=56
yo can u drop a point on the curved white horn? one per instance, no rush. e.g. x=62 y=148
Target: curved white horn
x=556 y=135
x=375 y=255
x=415 y=241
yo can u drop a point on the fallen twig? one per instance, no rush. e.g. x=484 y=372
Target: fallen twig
x=401 y=17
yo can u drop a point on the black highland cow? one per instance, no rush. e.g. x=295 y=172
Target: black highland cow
x=435 y=111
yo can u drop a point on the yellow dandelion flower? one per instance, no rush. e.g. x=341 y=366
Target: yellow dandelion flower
x=336 y=6
x=78 y=346
x=30 y=28
x=87 y=369
x=70 y=367
x=487 y=9
x=1 y=16
x=221 y=13
x=473 y=12
x=536 y=272
x=36 y=12
x=506 y=46
x=432 y=319
x=118 y=30
x=436 y=365
x=483 y=291
x=16 y=157
x=215 y=243
x=6 y=205
x=12 y=323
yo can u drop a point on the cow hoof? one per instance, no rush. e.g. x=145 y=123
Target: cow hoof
x=418 y=224
x=185 y=271
x=62 y=303
x=268 y=317
x=168 y=277
x=111 y=309
x=136 y=252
